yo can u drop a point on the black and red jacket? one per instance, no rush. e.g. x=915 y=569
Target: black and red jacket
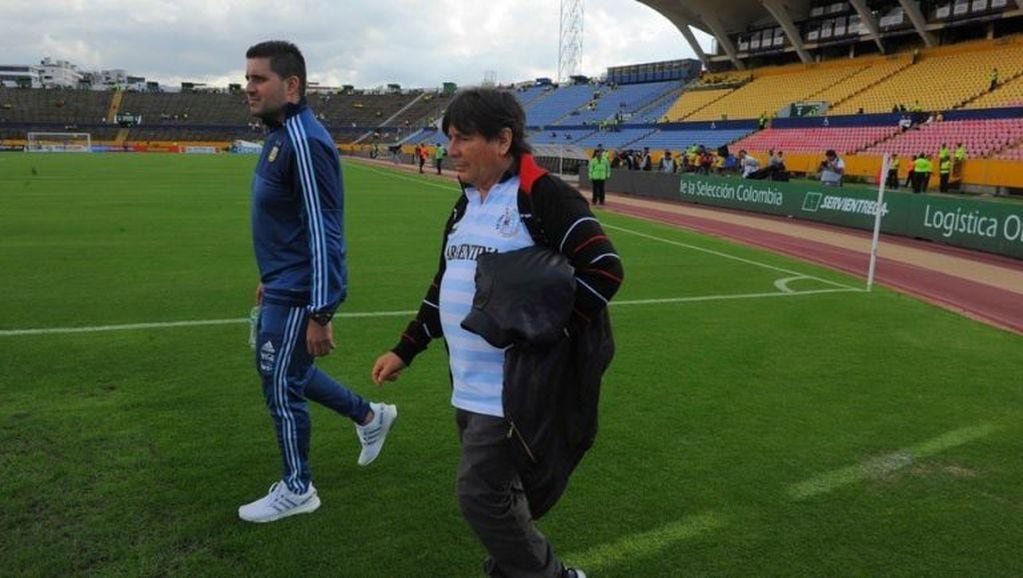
x=551 y=394
x=557 y=216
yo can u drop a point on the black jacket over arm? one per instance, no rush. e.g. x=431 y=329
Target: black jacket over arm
x=551 y=393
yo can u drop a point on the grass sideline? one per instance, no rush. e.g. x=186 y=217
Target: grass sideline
x=840 y=434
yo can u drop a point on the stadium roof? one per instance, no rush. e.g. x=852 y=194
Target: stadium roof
x=723 y=19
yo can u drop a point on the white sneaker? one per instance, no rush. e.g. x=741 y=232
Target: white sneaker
x=372 y=436
x=279 y=503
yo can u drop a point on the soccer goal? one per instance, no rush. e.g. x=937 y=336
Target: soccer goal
x=59 y=142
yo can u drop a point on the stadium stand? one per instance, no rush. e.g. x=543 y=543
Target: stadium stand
x=981 y=137
x=679 y=139
x=198 y=108
x=616 y=139
x=53 y=107
x=1010 y=93
x=621 y=100
x=774 y=88
x=945 y=78
x=692 y=101
x=845 y=140
x=558 y=104
x=871 y=74
x=559 y=135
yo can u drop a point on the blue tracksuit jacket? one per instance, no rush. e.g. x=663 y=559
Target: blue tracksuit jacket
x=298 y=214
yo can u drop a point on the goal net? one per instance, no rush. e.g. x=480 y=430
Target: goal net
x=59 y=142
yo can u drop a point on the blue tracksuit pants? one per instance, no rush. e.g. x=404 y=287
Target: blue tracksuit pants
x=289 y=379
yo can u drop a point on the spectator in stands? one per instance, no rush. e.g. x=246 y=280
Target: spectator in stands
x=922 y=168
x=505 y=483
x=892 y=178
x=832 y=169
x=762 y=121
x=297 y=212
x=438 y=157
x=599 y=171
x=667 y=164
x=905 y=122
x=994 y=79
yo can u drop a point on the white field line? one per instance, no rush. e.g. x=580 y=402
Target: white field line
x=727 y=256
x=202 y=322
x=881 y=466
x=418 y=180
x=637 y=233
x=166 y=324
x=644 y=544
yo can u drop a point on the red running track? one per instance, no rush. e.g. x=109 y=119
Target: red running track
x=986 y=303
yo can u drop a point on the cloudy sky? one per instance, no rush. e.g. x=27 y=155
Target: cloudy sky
x=366 y=43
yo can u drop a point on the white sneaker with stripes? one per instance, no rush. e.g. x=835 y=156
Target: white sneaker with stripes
x=372 y=435
x=280 y=502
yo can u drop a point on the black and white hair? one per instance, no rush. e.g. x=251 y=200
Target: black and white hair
x=486 y=112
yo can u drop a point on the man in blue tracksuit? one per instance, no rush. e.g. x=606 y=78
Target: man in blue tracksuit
x=298 y=234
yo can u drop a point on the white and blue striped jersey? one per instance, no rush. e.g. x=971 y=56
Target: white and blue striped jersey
x=298 y=214
x=490 y=226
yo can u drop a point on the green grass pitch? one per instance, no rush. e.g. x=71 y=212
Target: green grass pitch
x=824 y=433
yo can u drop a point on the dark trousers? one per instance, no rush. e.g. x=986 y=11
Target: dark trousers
x=911 y=180
x=492 y=501
x=944 y=183
x=439 y=162
x=598 y=191
x=920 y=182
x=893 y=179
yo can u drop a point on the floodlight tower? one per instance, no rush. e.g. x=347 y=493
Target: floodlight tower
x=570 y=38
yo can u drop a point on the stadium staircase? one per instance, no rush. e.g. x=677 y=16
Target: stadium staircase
x=1008 y=93
x=868 y=77
x=115 y=106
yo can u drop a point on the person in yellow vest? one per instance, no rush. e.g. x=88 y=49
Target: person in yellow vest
x=922 y=173
x=960 y=158
x=944 y=153
x=944 y=172
x=994 y=79
x=438 y=157
x=892 y=177
x=599 y=172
